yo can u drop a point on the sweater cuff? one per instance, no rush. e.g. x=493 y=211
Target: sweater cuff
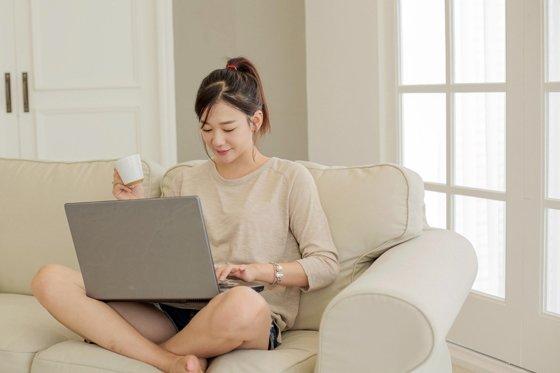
x=318 y=271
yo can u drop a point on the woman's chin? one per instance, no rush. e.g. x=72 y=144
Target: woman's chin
x=224 y=158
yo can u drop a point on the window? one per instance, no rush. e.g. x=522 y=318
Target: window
x=452 y=102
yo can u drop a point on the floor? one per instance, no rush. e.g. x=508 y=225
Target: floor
x=458 y=369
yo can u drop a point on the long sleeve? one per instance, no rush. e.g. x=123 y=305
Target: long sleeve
x=309 y=225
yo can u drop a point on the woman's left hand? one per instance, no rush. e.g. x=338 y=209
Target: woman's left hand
x=245 y=272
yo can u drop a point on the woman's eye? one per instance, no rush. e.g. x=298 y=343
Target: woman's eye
x=224 y=130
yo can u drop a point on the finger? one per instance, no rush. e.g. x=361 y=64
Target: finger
x=123 y=188
x=238 y=269
x=219 y=272
x=225 y=273
x=118 y=176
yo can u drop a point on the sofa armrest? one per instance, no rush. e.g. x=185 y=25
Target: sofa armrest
x=392 y=317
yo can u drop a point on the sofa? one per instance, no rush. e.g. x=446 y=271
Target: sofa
x=400 y=287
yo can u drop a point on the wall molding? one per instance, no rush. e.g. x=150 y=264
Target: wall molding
x=40 y=128
x=479 y=363
x=166 y=83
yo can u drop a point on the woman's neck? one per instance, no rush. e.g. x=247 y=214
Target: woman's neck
x=241 y=166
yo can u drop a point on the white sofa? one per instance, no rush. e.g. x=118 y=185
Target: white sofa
x=400 y=287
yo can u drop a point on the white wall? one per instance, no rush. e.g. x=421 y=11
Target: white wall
x=270 y=33
x=342 y=82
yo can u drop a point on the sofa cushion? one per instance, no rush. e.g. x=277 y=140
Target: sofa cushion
x=296 y=354
x=26 y=328
x=370 y=209
x=33 y=226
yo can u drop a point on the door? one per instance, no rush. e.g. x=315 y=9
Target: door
x=9 y=131
x=541 y=203
x=85 y=78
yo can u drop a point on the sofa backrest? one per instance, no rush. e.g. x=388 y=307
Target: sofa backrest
x=33 y=226
x=370 y=209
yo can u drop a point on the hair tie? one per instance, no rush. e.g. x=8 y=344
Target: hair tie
x=231 y=67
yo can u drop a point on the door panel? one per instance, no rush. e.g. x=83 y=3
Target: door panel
x=92 y=89
x=98 y=52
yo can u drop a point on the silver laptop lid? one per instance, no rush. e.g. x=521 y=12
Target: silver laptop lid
x=152 y=249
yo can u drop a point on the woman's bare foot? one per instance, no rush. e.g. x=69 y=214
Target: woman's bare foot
x=189 y=364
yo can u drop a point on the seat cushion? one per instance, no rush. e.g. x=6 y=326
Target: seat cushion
x=296 y=354
x=26 y=328
x=33 y=226
x=81 y=357
x=370 y=209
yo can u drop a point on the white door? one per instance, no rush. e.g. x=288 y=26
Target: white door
x=85 y=79
x=541 y=204
x=476 y=114
x=9 y=131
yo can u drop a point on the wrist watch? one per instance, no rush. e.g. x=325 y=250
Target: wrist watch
x=278 y=273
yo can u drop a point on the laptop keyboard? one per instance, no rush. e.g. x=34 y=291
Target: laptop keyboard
x=228 y=283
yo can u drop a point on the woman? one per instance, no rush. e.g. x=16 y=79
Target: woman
x=265 y=223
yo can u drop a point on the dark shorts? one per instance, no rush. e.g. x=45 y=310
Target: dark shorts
x=181 y=317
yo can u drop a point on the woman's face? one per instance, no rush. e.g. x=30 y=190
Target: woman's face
x=226 y=129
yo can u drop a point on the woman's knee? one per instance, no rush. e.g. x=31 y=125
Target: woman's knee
x=48 y=280
x=239 y=309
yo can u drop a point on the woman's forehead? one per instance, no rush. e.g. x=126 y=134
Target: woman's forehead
x=222 y=114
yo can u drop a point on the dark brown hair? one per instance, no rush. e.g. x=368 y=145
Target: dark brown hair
x=239 y=85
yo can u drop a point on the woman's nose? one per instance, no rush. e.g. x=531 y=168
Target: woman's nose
x=217 y=140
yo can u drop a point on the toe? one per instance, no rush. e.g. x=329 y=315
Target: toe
x=192 y=364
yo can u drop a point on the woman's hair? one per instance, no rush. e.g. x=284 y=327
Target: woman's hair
x=239 y=85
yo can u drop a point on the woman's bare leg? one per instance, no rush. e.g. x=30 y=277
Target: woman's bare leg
x=237 y=319
x=61 y=291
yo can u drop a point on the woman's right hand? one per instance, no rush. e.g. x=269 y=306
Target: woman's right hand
x=121 y=191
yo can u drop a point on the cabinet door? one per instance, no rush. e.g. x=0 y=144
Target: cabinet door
x=9 y=136
x=91 y=87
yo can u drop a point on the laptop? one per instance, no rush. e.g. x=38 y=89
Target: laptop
x=150 y=250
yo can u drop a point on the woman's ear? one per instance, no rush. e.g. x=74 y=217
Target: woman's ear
x=256 y=120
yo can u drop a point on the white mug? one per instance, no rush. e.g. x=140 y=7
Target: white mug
x=130 y=169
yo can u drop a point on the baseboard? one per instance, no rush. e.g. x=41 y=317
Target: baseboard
x=479 y=363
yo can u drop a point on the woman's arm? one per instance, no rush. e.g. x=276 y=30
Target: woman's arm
x=294 y=275
x=310 y=228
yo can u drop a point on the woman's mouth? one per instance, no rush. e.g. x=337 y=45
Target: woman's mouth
x=222 y=152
